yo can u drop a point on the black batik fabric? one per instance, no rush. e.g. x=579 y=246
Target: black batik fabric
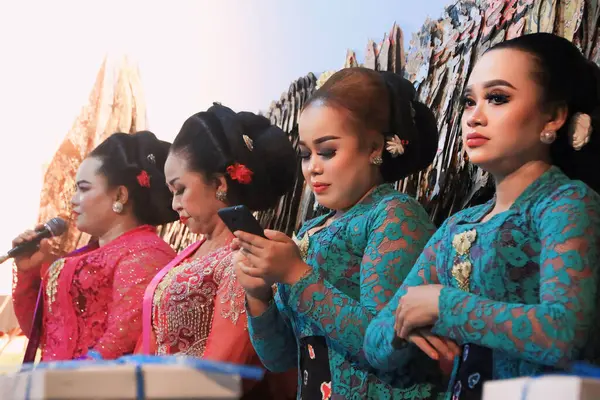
x=474 y=370
x=314 y=369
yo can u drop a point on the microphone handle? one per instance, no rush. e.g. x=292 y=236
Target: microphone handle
x=29 y=247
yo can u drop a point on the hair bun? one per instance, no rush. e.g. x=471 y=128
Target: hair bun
x=414 y=124
x=219 y=138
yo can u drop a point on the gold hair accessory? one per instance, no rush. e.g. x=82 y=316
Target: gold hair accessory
x=580 y=130
x=394 y=146
x=249 y=142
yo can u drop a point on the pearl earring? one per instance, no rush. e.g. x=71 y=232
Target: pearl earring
x=117 y=207
x=548 y=137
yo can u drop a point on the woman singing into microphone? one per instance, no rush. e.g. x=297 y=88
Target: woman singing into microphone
x=92 y=298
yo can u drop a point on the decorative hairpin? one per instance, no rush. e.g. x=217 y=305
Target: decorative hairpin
x=241 y=173
x=395 y=146
x=580 y=130
x=151 y=158
x=143 y=179
x=249 y=142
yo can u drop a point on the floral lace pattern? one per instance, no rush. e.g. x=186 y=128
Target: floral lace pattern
x=359 y=261
x=98 y=299
x=534 y=282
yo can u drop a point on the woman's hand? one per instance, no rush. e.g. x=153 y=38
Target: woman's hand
x=254 y=287
x=275 y=259
x=418 y=308
x=437 y=348
x=33 y=261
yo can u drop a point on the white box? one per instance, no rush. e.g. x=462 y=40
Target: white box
x=119 y=382
x=549 y=387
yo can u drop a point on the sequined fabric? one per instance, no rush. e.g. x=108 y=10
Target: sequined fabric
x=199 y=309
x=94 y=302
x=193 y=297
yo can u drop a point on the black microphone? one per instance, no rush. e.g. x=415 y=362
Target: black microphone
x=54 y=227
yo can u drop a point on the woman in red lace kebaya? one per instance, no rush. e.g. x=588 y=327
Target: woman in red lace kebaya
x=195 y=306
x=92 y=298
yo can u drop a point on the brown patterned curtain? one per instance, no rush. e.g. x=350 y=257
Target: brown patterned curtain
x=116 y=104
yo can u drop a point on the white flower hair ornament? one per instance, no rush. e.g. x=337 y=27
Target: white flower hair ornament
x=395 y=146
x=580 y=130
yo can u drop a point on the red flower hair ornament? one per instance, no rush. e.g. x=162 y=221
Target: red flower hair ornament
x=143 y=179
x=241 y=173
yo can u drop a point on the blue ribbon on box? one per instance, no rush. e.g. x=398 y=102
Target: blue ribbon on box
x=138 y=361
x=579 y=369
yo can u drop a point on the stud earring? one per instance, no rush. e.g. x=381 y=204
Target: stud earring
x=377 y=160
x=221 y=195
x=548 y=137
x=117 y=207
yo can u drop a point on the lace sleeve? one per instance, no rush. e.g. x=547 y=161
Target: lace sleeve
x=132 y=275
x=378 y=340
x=553 y=331
x=398 y=233
x=26 y=286
x=228 y=340
x=273 y=338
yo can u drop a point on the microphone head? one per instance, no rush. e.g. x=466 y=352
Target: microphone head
x=56 y=226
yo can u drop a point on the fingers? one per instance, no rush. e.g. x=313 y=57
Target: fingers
x=45 y=246
x=441 y=346
x=26 y=236
x=277 y=236
x=424 y=345
x=250 y=271
x=249 y=240
x=452 y=346
x=400 y=322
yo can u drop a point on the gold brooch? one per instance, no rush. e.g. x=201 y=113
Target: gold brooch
x=463 y=241
x=462 y=273
x=461 y=270
x=52 y=284
x=302 y=245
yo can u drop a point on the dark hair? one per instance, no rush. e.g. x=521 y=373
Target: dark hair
x=124 y=157
x=566 y=77
x=385 y=102
x=213 y=140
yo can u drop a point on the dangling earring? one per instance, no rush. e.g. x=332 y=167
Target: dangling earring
x=221 y=195
x=117 y=207
x=377 y=160
x=548 y=137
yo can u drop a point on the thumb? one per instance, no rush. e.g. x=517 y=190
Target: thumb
x=276 y=236
x=45 y=246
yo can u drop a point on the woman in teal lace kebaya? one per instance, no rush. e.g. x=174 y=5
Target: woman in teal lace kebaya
x=359 y=131
x=514 y=281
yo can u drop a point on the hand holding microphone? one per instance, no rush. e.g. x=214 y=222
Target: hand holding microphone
x=32 y=249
